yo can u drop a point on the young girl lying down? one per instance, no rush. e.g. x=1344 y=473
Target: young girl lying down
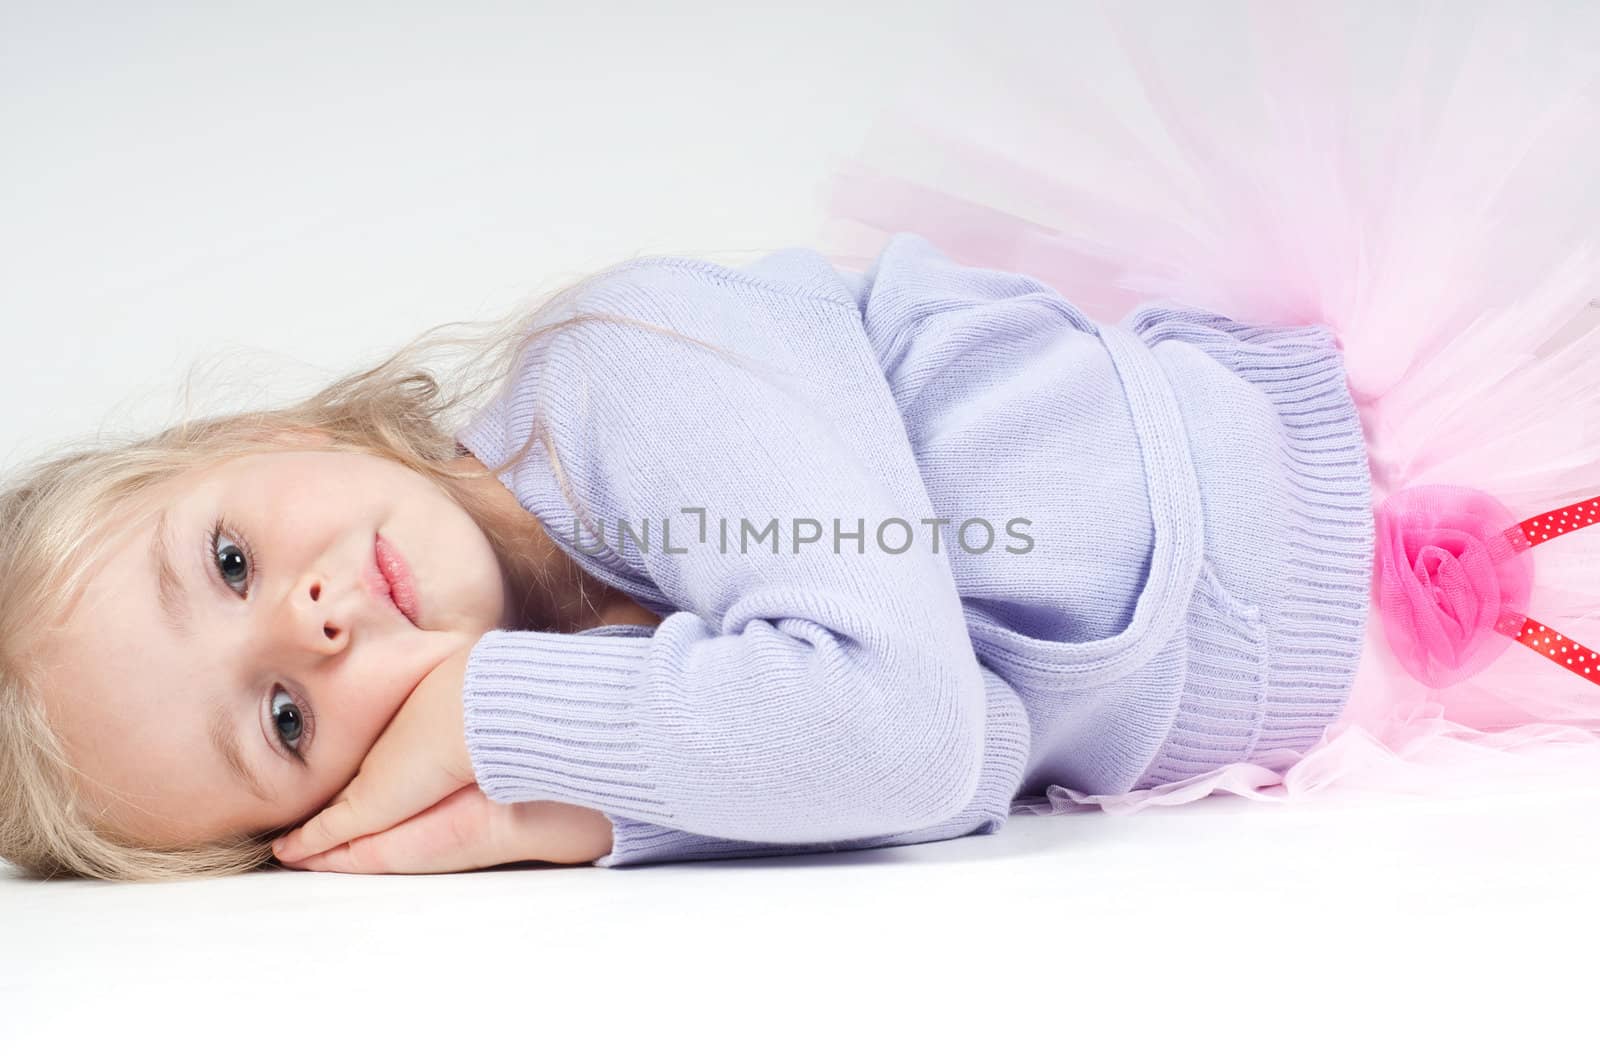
x=699 y=561
x=734 y=562
x=783 y=558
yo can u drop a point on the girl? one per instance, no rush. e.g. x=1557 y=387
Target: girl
x=800 y=557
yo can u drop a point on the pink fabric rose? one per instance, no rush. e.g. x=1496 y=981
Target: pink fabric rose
x=1452 y=575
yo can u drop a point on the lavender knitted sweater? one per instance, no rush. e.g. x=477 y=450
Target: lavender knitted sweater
x=925 y=540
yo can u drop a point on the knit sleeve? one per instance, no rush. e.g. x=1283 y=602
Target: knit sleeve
x=814 y=682
x=636 y=842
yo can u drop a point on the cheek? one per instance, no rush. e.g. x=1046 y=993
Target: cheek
x=367 y=722
x=389 y=679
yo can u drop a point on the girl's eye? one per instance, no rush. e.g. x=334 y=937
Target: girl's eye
x=231 y=560
x=287 y=720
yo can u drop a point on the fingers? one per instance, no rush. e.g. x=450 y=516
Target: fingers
x=466 y=831
x=457 y=834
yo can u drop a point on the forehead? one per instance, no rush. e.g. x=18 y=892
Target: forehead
x=124 y=695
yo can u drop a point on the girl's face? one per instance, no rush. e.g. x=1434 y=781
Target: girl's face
x=254 y=702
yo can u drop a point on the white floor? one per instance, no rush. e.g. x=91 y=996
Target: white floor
x=1226 y=929
x=307 y=190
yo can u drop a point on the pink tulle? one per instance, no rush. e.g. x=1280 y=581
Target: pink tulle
x=1419 y=177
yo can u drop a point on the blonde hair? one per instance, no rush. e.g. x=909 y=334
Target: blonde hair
x=54 y=508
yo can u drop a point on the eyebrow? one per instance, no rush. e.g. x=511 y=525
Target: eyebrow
x=175 y=615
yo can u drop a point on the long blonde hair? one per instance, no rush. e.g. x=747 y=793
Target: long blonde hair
x=53 y=509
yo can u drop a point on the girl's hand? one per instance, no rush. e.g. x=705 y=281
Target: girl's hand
x=419 y=760
x=466 y=831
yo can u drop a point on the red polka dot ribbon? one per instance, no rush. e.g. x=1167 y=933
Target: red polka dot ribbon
x=1549 y=643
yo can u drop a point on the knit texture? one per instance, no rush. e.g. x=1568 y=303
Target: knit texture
x=1046 y=551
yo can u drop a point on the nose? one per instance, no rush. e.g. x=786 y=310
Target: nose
x=314 y=621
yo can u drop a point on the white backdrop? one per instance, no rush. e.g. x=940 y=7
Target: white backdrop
x=311 y=185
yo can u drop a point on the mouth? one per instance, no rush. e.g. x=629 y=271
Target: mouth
x=395 y=577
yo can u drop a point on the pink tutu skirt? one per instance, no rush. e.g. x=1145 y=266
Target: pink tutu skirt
x=1422 y=179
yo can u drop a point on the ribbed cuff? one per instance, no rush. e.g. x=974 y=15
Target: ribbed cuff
x=1271 y=663
x=548 y=720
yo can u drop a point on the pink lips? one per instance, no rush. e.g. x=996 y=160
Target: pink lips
x=399 y=586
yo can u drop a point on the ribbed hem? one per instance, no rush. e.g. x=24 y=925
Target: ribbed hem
x=1271 y=665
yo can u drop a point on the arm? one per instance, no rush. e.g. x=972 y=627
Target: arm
x=797 y=696
x=618 y=841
